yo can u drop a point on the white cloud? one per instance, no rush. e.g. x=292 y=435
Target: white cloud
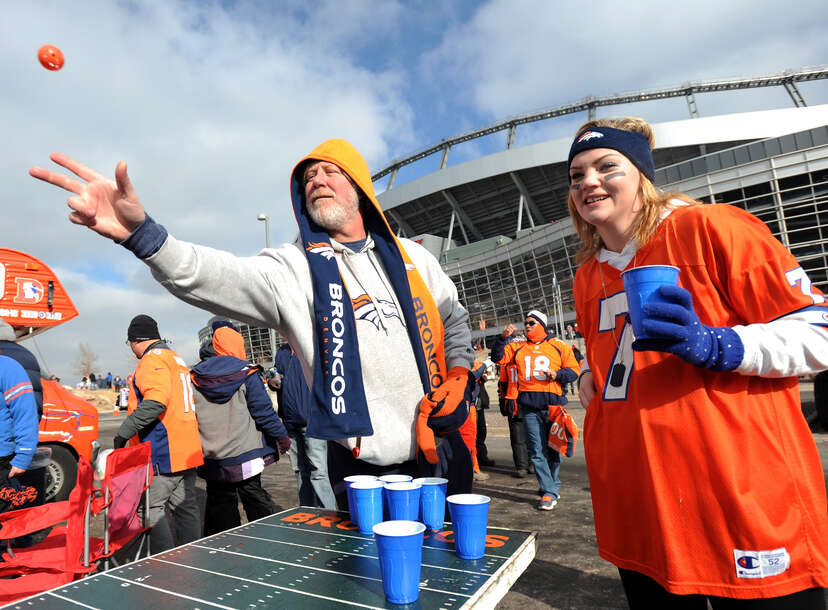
x=211 y=107
x=513 y=57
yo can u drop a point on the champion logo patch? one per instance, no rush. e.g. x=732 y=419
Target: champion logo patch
x=590 y=135
x=761 y=564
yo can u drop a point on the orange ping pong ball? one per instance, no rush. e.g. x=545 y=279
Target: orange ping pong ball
x=50 y=57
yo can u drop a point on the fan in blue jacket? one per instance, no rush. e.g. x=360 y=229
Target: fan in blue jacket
x=240 y=431
x=18 y=431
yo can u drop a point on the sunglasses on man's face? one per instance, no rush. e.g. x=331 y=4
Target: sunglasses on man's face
x=529 y=323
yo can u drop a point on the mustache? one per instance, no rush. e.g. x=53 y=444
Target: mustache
x=321 y=192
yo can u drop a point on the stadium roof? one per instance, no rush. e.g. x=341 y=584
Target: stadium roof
x=518 y=188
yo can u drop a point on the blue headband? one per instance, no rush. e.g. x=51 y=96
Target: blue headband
x=631 y=144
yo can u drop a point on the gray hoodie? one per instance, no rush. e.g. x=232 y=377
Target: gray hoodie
x=274 y=290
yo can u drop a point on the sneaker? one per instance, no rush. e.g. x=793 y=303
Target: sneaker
x=547 y=503
x=481 y=476
x=521 y=473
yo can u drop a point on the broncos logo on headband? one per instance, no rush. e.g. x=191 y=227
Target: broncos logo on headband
x=590 y=135
x=364 y=309
x=322 y=248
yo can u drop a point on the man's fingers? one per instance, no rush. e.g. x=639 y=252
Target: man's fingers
x=64 y=182
x=123 y=181
x=76 y=167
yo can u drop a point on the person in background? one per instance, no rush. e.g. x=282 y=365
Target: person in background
x=579 y=357
x=18 y=434
x=480 y=400
x=162 y=413
x=33 y=477
x=240 y=431
x=308 y=456
x=543 y=365
x=706 y=482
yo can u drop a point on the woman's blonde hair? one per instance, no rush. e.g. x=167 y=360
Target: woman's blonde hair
x=654 y=201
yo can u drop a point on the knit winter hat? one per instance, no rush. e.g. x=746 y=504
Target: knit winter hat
x=142 y=328
x=538 y=316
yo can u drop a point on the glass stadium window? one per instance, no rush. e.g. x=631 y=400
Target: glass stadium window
x=736 y=197
x=714 y=162
x=795 y=187
x=773 y=147
x=758 y=196
x=788 y=143
x=756 y=151
x=741 y=155
x=803 y=140
x=728 y=159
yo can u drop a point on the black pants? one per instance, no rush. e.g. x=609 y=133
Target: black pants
x=645 y=593
x=222 y=510
x=5 y=467
x=480 y=439
x=342 y=463
x=517 y=438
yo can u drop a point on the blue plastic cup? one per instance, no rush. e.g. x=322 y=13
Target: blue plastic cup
x=402 y=500
x=469 y=517
x=367 y=504
x=641 y=285
x=391 y=478
x=350 y=481
x=432 y=502
x=400 y=546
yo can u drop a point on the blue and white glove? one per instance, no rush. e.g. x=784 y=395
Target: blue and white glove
x=674 y=328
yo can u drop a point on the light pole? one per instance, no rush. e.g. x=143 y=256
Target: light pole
x=270 y=334
x=266 y=219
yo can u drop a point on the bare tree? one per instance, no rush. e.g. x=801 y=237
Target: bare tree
x=86 y=361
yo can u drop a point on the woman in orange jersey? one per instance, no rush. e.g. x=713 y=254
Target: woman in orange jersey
x=706 y=483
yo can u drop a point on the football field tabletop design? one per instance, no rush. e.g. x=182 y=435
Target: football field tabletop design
x=299 y=558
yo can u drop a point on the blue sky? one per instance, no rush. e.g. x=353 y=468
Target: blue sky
x=211 y=103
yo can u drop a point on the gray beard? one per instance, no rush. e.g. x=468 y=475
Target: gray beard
x=333 y=218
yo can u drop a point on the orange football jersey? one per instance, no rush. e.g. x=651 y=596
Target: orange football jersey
x=708 y=482
x=530 y=360
x=164 y=377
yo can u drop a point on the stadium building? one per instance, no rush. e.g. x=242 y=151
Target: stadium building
x=500 y=225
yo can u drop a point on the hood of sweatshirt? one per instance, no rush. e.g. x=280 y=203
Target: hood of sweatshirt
x=6 y=331
x=219 y=377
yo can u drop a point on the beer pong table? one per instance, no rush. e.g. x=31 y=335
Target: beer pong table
x=299 y=558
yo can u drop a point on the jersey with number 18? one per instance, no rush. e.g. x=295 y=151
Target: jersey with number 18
x=708 y=482
x=164 y=377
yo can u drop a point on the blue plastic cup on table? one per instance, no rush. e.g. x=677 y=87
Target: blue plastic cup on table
x=391 y=478
x=400 y=546
x=432 y=502
x=350 y=481
x=367 y=504
x=641 y=286
x=402 y=500
x=469 y=517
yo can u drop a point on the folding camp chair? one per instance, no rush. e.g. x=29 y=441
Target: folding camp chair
x=127 y=477
x=63 y=556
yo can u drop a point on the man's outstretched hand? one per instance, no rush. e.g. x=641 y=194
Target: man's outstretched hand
x=111 y=209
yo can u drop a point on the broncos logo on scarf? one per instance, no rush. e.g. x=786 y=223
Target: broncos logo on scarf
x=322 y=248
x=364 y=309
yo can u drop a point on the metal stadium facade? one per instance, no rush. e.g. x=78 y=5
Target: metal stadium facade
x=500 y=224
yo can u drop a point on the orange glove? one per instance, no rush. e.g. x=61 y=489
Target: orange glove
x=443 y=410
